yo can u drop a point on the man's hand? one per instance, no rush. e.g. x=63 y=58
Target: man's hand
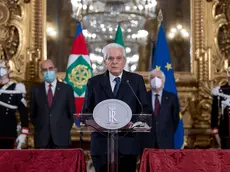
x=22 y=138
x=128 y=125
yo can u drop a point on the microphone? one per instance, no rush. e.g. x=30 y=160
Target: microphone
x=127 y=81
x=141 y=118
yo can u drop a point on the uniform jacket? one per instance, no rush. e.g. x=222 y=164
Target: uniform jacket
x=12 y=100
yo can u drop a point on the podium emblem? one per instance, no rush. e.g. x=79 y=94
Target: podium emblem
x=112 y=114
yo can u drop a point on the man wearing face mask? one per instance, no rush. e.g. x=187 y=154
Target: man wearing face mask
x=165 y=111
x=220 y=114
x=12 y=99
x=52 y=108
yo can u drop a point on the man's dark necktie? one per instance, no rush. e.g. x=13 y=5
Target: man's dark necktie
x=116 y=88
x=157 y=105
x=50 y=95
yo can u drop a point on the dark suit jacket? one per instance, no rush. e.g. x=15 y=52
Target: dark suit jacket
x=99 y=89
x=8 y=119
x=55 y=122
x=164 y=125
x=221 y=123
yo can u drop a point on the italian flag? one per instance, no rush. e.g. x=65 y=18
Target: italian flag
x=119 y=40
x=79 y=68
x=119 y=36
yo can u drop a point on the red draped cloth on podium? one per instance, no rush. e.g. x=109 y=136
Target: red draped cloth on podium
x=57 y=160
x=196 y=160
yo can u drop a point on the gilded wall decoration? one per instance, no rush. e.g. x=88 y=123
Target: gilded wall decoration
x=224 y=34
x=221 y=36
x=209 y=56
x=11 y=36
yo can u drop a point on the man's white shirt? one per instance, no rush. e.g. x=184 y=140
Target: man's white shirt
x=154 y=97
x=111 y=79
x=54 y=83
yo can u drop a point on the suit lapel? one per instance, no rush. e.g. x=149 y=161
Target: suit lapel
x=56 y=93
x=43 y=94
x=151 y=105
x=150 y=100
x=164 y=101
x=105 y=83
x=123 y=86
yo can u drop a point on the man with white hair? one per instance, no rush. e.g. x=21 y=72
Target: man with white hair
x=165 y=111
x=113 y=85
x=12 y=99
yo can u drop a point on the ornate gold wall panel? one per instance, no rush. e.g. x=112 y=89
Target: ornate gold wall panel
x=22 y=37
x=37 y=35
x=14 y=16
x=212 y=62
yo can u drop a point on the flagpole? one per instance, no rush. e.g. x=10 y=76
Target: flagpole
x=81 y=138
x=78 y=18
x=159 y=17
x=154 y=40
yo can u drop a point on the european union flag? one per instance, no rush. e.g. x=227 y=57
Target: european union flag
x=161 y=60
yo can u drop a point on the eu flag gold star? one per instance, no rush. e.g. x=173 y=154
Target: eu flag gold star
x=168 y=66
x=158 y=67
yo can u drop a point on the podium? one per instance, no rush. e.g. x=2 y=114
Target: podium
x=112 y=117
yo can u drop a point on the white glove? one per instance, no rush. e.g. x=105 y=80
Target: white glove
x=216 y=135
x=218 y=140
x=216 y=91
x=22 y=138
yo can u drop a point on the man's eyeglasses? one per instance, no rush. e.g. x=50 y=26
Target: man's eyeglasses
x=111 y=59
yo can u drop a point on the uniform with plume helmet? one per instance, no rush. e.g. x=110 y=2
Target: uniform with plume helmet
x=12 y=99
x=220 y=115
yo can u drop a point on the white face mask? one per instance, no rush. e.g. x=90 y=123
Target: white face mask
x=156 y=83
x=3 y=72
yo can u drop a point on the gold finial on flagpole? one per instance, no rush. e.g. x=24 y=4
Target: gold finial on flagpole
x=77 y=14
x=79 y=18
x=160 y=16
x=119 y=19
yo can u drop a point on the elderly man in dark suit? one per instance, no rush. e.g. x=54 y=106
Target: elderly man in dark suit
x=165 y=112
x=51 y=110
x=113 y=85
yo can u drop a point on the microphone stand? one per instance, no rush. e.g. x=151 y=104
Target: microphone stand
x=81 y=133
x=141 y=118
x=81 y=139
x=127 y=81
